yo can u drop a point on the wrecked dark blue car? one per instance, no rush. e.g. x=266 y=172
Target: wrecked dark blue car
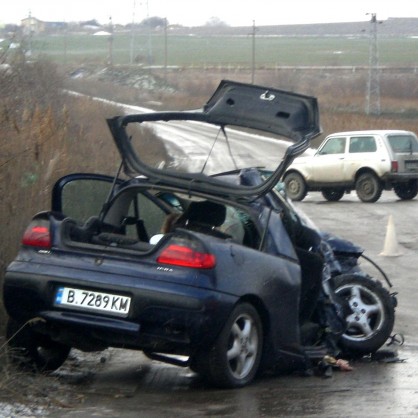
x=192 y=266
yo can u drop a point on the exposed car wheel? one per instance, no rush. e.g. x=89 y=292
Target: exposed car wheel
x=407 y=190
x=372 y=313
x=368 y=188
x=295 y=186
x=332 y=194
x=33 y=351
x=234 y=359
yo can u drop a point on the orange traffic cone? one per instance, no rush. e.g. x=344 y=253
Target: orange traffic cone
x=391 y=247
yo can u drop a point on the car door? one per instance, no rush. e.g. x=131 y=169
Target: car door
x=362 y=152
x=328 y=163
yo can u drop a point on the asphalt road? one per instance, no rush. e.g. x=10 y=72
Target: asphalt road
x=126 y=384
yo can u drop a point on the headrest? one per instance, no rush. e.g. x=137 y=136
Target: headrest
x=205 y=212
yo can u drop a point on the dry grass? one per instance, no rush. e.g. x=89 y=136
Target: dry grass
x=44 y=136
x=25 y=393
x=341 y=95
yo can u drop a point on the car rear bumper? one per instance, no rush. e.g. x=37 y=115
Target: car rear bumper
x=400 y=177
x=174 y=319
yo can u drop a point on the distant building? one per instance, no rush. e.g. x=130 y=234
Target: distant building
x=32 y=26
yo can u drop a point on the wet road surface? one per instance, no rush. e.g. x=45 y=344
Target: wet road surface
x=127 y=384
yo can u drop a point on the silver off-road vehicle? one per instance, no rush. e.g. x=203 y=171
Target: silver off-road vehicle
x=365 y=161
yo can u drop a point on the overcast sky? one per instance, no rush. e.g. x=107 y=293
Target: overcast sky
x=198 y=12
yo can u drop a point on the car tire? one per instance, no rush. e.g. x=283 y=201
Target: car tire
x=332 y=194
x=368 y=188
x=32 y=351
x=406 y=191
x=234 y=359
x=371 y=313
x=295 y=186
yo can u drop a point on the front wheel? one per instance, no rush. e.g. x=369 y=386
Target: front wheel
x=295 y=186
x=407 y=190
x=371 y=313
x=30 y=350
x=234 y=359
x=368 y=188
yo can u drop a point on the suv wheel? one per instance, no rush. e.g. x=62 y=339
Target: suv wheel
x=406 y=191
x=368 y=188
x=295 y=186
x=332 y=194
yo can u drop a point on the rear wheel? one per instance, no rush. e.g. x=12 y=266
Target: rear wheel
x=368 y=188
x=406 y=191
x=30 y=350
x=332 y=194
x=235 y=357
x=372 y=313
x=295 y=186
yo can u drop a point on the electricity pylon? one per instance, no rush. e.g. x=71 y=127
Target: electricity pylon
x=373 y=83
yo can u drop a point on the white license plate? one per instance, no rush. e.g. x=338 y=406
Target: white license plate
x=94 y=301
x=411 y=165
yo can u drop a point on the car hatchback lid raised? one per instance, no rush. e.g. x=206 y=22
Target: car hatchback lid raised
x=200 y=143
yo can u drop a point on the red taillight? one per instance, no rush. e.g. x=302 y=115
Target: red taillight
x=394 y=167
x=180 y=255
x=37 y=235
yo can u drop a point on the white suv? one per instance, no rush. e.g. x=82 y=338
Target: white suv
x=367 y=161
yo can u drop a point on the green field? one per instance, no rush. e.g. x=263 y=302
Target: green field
x=226 y=50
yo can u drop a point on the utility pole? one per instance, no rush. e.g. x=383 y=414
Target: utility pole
x=165 y=50
x=373 y=83
x=149 y=38
x=253 y=54
x=65 y=43
x=31 y=32
x=131 y=50
x=110 y=58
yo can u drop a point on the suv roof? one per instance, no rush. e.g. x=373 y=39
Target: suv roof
x=372 y=132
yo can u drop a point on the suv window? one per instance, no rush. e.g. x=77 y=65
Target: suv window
x=362 y=144
x=403 y=143
x=333 y=146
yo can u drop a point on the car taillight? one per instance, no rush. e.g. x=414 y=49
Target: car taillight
x=37 y=234
x=181 y=254
x=394 y=167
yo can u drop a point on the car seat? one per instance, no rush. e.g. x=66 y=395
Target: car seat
x=204 y=217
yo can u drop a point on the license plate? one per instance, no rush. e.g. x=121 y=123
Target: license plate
x=411 y=165
x=93 y=301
